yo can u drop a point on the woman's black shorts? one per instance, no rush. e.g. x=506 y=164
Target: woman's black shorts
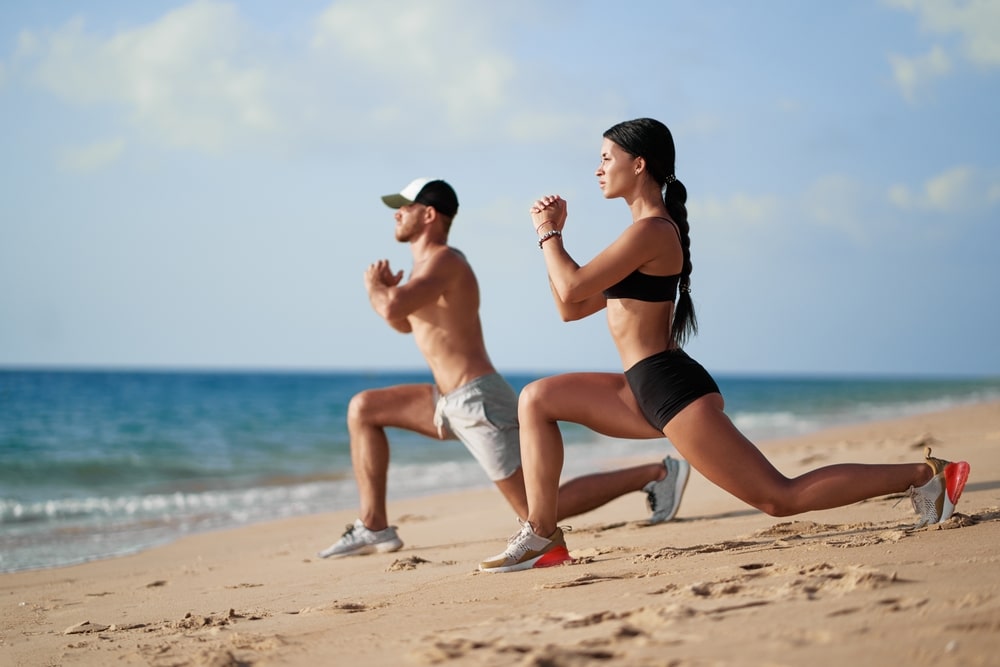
x=666 y=383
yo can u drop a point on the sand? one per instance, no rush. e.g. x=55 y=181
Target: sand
x=721 y=584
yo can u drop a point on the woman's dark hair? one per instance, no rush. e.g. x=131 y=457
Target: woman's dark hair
x=651 y=140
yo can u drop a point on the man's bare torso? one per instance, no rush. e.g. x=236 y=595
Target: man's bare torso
x=448 y=330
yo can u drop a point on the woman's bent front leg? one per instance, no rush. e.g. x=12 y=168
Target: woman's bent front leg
x=602 y=402
x=541 y=453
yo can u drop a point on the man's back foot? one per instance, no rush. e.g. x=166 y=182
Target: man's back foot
x=357 y=540
x=664 y=496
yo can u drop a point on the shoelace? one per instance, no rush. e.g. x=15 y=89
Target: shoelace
x=923 y=505
x=651 y=499
x=521 y=525
x=521 y=547
x=516 y=549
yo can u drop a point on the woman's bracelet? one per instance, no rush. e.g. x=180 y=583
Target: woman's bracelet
x=547 y=235
x=546 y=222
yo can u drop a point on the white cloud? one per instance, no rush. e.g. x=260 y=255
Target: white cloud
x=734 y=224
x=437 y=58
x=912 y=73
x=93 y=156
x=959 y=189
x=832 y=206
x=27 y=45
x=739 y=210
x=993 y=196
x=950 y=190
x=198 y=78
x=182 y=79
x=976 y=22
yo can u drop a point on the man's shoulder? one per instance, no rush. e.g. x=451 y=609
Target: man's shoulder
x=452 y=259
x=445 y=263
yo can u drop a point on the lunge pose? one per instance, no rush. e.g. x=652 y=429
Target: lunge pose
x=468 y=400
x=643 y=282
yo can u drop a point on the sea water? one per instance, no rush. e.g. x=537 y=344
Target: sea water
x=97 y=464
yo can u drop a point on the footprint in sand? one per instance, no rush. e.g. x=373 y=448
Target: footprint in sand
x=409 y=563
x=584 y=580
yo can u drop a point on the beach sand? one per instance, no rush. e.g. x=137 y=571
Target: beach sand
x=722 y=584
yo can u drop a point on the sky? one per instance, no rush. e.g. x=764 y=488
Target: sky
x=188 y=185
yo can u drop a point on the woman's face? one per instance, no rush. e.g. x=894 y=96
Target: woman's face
x=616 y=173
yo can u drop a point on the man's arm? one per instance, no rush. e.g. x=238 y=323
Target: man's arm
x=394 y=302
x=379 y=282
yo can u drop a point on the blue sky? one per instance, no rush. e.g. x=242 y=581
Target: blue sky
x=197 y=185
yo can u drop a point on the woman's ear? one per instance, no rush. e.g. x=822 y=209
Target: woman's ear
x=640 y=165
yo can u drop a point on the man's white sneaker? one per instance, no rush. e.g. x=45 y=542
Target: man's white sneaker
x=357 y=540
x=664 y=496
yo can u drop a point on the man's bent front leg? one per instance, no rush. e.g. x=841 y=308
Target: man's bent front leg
x=370 y=460
x=409 y=407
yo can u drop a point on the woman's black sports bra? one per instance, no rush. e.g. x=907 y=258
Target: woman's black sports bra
x=645 y=287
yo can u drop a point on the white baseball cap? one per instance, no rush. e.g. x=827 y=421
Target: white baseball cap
x=430 y=191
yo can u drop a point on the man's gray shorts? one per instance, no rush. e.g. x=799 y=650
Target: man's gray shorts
x=483 y=415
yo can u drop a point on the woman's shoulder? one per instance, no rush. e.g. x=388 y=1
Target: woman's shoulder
x=654 y=231
x=655 y=224
x=656 y=219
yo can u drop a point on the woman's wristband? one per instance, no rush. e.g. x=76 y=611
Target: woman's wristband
x=547 y=235
x=546 y=222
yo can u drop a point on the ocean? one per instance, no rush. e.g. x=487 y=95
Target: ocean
x=95 y=464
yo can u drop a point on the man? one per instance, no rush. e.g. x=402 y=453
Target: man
x=469 y=400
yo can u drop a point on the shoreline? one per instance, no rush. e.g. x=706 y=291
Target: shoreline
x=623 y=452
x=720 y=582
x=131 y=477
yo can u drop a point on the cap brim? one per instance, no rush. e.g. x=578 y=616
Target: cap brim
x=396 y=201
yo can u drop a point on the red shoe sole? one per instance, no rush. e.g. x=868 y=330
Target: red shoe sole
x=557 y=556
x=955 y=476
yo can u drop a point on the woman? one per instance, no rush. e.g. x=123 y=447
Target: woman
x=663 y=392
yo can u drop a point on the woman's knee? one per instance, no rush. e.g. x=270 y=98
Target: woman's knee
x=776 y=501
x=534 y=398
x=776 y=507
